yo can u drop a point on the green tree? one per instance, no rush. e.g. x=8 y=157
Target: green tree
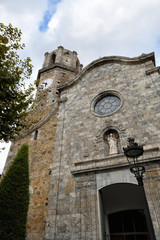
x=14 y=97
x=14 y=198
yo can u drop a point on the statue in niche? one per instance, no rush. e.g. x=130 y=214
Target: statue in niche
x=112 y=142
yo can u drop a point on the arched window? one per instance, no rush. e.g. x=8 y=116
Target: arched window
x=53 y=58
x=77 y=64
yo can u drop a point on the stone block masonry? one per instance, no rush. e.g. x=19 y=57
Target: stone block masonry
x=71 y=167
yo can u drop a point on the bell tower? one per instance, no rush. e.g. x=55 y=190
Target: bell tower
x=59 y=68
x=63 y=57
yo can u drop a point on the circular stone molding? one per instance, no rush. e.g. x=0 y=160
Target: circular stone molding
x=106 y=103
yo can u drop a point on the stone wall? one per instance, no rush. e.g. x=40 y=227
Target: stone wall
x=69 y=159
x=39 y=133
x=40 y=159
x=80 y=151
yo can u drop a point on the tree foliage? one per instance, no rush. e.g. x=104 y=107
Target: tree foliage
x=14 y=198
x=14 y=97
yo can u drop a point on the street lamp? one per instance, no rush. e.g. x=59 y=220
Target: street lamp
x=132 y=152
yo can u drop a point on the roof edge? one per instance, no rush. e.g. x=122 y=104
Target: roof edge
x=117 y=59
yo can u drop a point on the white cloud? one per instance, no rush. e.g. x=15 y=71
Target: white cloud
x=100 y=27
x=93 y=28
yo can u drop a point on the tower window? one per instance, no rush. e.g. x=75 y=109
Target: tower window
x=36 y=134
x=53 y=58
x=77 y=64
x=66 y=53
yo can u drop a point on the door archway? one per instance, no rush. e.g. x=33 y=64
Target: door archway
x=122 y=204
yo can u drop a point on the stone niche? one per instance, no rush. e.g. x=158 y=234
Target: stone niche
x=112 y=141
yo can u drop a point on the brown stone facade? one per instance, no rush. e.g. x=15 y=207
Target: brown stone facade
x=40 y=159
x=75 y=181
x=39 y=133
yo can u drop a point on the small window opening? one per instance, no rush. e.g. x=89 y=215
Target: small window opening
x=53 y=58
x=36 y=135
x=77 y=64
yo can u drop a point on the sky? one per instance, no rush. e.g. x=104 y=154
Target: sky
x=92 y=28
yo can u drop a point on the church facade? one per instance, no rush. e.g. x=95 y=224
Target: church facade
x=80 y=184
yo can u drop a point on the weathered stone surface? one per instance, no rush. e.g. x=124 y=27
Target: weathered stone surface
x=69 y=161
x=80 y=135
x=40 y=159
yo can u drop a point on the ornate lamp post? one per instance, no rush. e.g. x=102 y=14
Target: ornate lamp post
x=132 y=152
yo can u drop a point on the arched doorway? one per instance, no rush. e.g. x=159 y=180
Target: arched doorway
x=124 y=215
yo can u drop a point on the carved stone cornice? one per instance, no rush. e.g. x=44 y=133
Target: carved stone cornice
x=56 y=65
x=153 y=70
x=113 y=162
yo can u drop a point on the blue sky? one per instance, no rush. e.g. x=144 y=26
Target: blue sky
x=51 y=9
x=92 y=28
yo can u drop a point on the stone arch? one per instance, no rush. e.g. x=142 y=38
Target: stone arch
x=118 y=127
x=66 y=53
x=52 y=59
x=121 y=196
x=122 y=199
x=109 y=125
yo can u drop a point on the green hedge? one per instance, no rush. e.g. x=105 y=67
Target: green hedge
x=14 y=198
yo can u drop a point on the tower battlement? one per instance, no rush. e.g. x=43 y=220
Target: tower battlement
x=63 y=57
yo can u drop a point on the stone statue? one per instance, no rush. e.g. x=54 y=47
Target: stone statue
x=112 y=141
